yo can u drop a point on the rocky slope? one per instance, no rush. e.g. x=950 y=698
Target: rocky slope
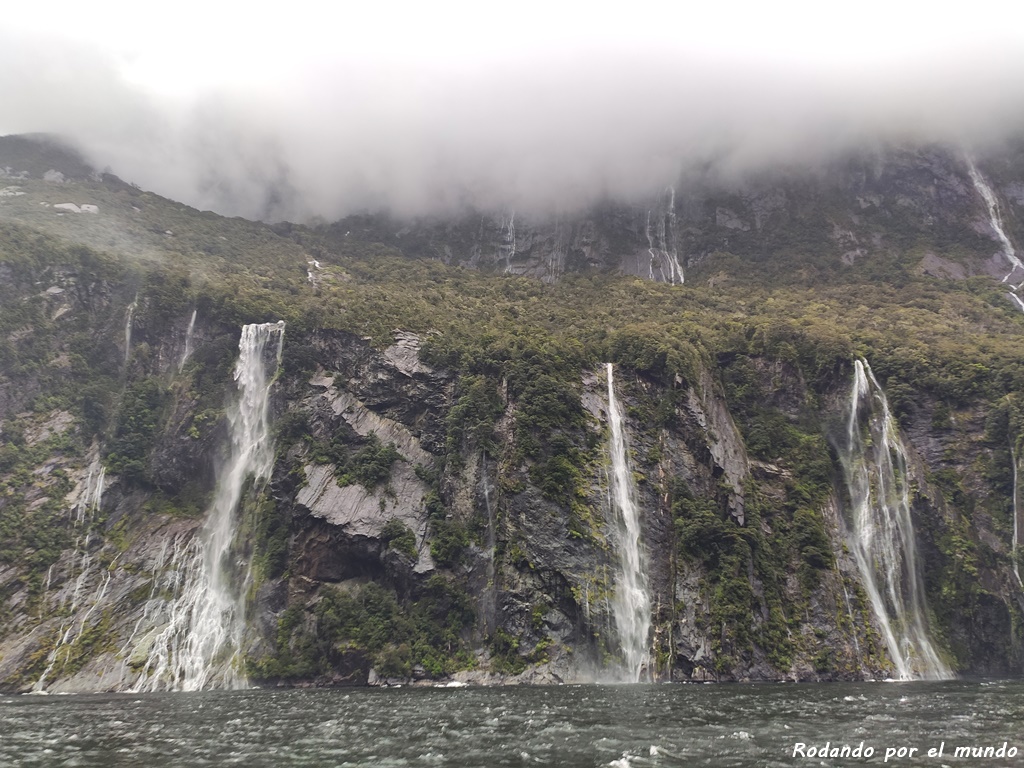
x=438 y=506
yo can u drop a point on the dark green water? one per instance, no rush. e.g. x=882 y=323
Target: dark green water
x=637 y=726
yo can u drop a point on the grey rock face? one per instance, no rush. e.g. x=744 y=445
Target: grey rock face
x=723 y=440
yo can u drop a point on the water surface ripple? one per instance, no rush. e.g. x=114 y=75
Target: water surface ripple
x=618 y=726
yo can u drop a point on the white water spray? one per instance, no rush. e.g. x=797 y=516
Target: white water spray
x=995 y=218
x=882 y=532
x=188 y=341
x=200 y=645
x=631 y=606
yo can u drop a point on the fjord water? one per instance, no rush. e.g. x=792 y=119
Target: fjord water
x=638 y=726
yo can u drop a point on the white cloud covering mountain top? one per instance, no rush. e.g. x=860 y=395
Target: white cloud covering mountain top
x=426 y=107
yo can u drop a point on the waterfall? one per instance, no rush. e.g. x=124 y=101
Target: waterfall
x=665 y=257
x=188 y=341
x=650 y=247
x=491 y=608
x=853 y=627
x=995 y=218
x=675 y=270
x=91 y=495
x=128 y=328
x=82 y=515
x=882 y=532
x=1016 y=519
x=510 y=241
x=631 y=607
x=200 y=645
x=556 y=257
x=310 y=276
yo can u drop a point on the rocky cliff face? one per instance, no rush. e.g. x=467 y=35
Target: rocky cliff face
x=911 y=204
x=439 y=503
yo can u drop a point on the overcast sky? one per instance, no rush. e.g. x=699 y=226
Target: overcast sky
x=424 y=106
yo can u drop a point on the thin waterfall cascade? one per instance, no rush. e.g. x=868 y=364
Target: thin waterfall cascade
x=491 y=526
x=492 y=545
x=312 y=264
x=556 y=257
x=631 y=606
x=91 y=495
x=128 y=328
x=995 y=218
x=82 y=515
x=1016 y=518
x=199 y=644
x=881 y=531
x=510 y=240
x=663 y=255
x=675 y=269
x=650 y=248
x=188 y=341
x=853 y=627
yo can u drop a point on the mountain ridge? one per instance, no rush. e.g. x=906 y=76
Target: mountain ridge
x=487 y=554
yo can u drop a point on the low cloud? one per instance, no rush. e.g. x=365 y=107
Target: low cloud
x=542 y=131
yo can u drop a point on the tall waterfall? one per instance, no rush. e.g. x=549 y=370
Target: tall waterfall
x=995 y=218
x=200 y=644
x=882 y=532
x=662 y=255
x=631 y=607
x=188 y=341
x=1016 y=517
x=675 y=269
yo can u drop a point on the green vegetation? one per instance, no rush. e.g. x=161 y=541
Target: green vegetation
x=728 y=555
x=368 y=466
x=137 y=428
x=270 y=538
x=395 y=635
x=34 y=520
x=371 y=464
x=399 y=537
x=448 y=543
x=770 y=319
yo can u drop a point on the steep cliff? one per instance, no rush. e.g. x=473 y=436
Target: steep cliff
x=438 y=505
